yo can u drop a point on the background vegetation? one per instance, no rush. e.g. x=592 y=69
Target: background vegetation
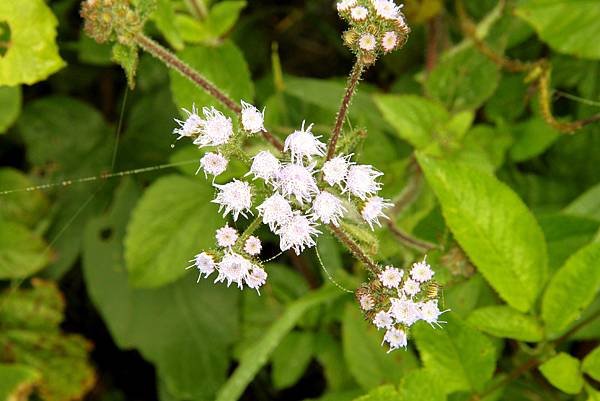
x=484 y=125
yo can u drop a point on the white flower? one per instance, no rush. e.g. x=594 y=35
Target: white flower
x=302 y=143
x=234 y=197
x=383 y=320
x=336 y=169
x=387 y=9
x=191 y=125
x=226 y=236
x=275 y=211
x=360 y=180
x=396 y=338
x=343 y=5
x=253 y=120
x=215 y=129
x=204 y=263
x=327 y=208
x=294 y=179
x=373 y=210
x=359 y=13
x=405 y=311
x=430 y=312
x=234 y=268
x=264 y=165
x=366 y=302
x=256 y=278
x=297 y=233
x=252 y=246
x=390 y=277
x=213 y=163
x=389 y=41
x=421 y=271
x=411 y=287
x=367 y=41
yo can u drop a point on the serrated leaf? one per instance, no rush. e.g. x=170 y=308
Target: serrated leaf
x=22 y=207
x=571 y=289
x=10 y=106
x=126 y=57
x=224 y=66
x=32 y=54
x=17 y=381
x=291 y=358
x=591 y=364
x=365 y=356
x=505 y=322
x=459 y=357
x=493 y=226
x=563 y=372
x=22 y=252
x=168 y=227
x=566 y=25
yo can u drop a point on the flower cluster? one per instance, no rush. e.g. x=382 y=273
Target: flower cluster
x=375 y=26
x=235 y=260
x=396 y=300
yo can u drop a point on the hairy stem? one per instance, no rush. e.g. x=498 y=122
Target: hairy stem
x=353 y=79
x=355 y=249
x=408 y=240
x=172 y=61
x=254 y=224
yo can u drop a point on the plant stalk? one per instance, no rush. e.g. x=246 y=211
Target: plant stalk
x=355 y=249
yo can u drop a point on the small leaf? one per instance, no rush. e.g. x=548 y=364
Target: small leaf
x=532 y=138
x=17 y=381
x=223 y=16
x=22 y=207
x=10 y=106
x=173 y=221
x=591 y=364
x=493 y=226
x=291 y=358
x=164 y=17
x=126 y=57
x=32 y=54
x=572 y=289
x=587 y=204
x=22 y=252
x=563 y=372
x=504 y=321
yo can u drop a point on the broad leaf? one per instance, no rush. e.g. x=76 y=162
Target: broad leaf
x=291 y=358
x=591 y=364
x=22 y=252
x=493 y=226
x=32 y=52
x=420 y=385
x=382 y=393
x=563 y=372
x=572 y=289
x=504 y=321
x=10 y=106
x=532 y=137
x=173 y=221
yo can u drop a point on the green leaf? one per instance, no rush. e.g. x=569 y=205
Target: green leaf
x=416 y=120
x=22 y=252
x=17 y=381
x=168 y=227
x=566 y=25
x=493 y=226
x=126 y=57
x=291 y=358
x=32 y=53
x=509 y=100
x=365 y=357
x=563 y=372
x=459 y=357
x=532 y=138
x=587 y=204
x=505 y=322
x=591 y=364
x=463 y=79
x=382 y=393
x=572 y=289
x=10 y=106
x=26 y=207
x=185 y=329
x=420 y=385
x=223 y=16
x=164 y=17
x=224 y=66
x=256 y=356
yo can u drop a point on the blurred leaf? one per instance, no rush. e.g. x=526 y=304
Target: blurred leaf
x=566 y=25
x=587 y=204
x=22 y=252
x=571 y=289
x=32 y=52
x=327 y=351
x=382 y=393
x=458 y=357
x=126 y=57
x=463 y=79
x=184 y=328
x=591 y=364
x=532 y=138
x=26 y=207
x=492 y=142
x=224 y=66
x=365 y=356
x=10 y=106
x=563 y=372
x=509 y=100
x=31 y=336
x=420 y=385
x=219 y=21
x=256 y=356
x=462 y=298
x=494 y=227
x=291 y=358
x=503 y=321
x=17 y=381
x=164 y=16
x=92 y=52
